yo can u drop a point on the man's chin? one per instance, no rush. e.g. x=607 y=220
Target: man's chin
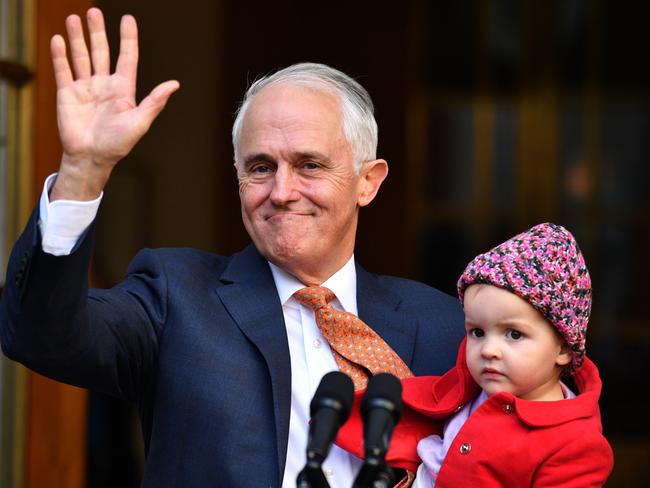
x=287 y=255
x=290 y=262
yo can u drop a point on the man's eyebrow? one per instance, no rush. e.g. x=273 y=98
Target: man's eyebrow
x=253 y=158
x=295 y=157
x=315 y=155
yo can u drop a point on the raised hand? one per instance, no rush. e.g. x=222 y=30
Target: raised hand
x=99 y=120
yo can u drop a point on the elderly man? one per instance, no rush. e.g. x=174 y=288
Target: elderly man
x=221 y=354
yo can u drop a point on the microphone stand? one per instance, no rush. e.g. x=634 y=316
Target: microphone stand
x=329 y=409
x=312 y=476
x=375 y=473
x=380 y=410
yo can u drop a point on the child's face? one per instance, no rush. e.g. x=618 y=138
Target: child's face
x=511 y=346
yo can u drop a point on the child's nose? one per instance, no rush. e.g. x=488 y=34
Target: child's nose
x=491 y=348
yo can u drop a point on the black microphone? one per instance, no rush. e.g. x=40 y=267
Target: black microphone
x=381 y=409
x=329 y=409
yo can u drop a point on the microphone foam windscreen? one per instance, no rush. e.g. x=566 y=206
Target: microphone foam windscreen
x=384 y=391
x=335 y=387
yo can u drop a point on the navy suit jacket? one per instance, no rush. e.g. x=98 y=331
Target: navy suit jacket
x=198 y=341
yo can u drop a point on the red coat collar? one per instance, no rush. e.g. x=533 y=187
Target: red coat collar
x=438 y=397
x=429 y=400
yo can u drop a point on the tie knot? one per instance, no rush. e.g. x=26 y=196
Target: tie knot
x=314 y=297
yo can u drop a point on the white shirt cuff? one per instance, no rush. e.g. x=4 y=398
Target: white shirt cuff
x=63 y=222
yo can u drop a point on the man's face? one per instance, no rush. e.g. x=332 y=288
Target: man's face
x=511 y=346
x=298 y=187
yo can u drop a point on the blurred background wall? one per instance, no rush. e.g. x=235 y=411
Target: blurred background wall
x=493 y=115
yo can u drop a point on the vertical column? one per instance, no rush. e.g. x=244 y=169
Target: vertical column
x=16 y=164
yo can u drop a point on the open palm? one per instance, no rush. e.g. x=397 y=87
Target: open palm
x=99 y=120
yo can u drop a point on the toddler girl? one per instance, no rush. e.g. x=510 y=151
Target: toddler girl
x=520 y=408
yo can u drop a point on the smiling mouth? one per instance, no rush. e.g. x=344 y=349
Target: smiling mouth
x=285 y=215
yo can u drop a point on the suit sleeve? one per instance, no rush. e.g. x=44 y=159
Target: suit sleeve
x=54 y=324
x=586 y=461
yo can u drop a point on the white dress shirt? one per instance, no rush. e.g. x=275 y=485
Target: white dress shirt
x=63 y=222
x=311 y=359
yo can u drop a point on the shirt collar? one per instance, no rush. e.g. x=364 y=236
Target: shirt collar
x=343 y=284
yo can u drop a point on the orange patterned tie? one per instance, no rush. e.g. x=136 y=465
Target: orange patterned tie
x=356 y=347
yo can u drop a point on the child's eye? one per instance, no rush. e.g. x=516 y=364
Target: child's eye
x=476 y=333
x=515 y=335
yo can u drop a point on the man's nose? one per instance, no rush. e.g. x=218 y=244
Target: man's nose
x=285 y=187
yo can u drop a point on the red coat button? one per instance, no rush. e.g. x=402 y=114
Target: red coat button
x=465 y=447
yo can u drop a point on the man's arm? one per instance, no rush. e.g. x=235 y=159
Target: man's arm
x=48 y=319
x=54 y=324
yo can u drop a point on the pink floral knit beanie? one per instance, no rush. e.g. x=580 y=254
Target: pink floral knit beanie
x=545 y=267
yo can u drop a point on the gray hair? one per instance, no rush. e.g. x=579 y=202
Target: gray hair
x=357 y=111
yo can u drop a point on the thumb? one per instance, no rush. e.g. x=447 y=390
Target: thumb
x=153 y=104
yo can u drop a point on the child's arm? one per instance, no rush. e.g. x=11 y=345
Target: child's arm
x=585 y=462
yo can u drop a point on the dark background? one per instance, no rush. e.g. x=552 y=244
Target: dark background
x=493 y=116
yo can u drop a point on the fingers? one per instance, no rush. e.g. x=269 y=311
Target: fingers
x=127 y=62
x=78 y=49
x=153 y=104
x=99 y=50
x=62 y=73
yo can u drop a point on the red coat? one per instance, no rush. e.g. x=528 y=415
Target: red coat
x=507 y=441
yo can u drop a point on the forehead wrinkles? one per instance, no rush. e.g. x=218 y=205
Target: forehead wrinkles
x=287 y=146
x=290 y=113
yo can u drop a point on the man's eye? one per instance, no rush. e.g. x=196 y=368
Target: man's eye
x=310 y=165
x=260 y=169
x=514 y=334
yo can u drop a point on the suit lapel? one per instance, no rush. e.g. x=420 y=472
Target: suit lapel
x=251 y=298
x=379 y=307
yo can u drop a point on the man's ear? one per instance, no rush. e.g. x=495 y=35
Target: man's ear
x=564 y=357
x=373 y=173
